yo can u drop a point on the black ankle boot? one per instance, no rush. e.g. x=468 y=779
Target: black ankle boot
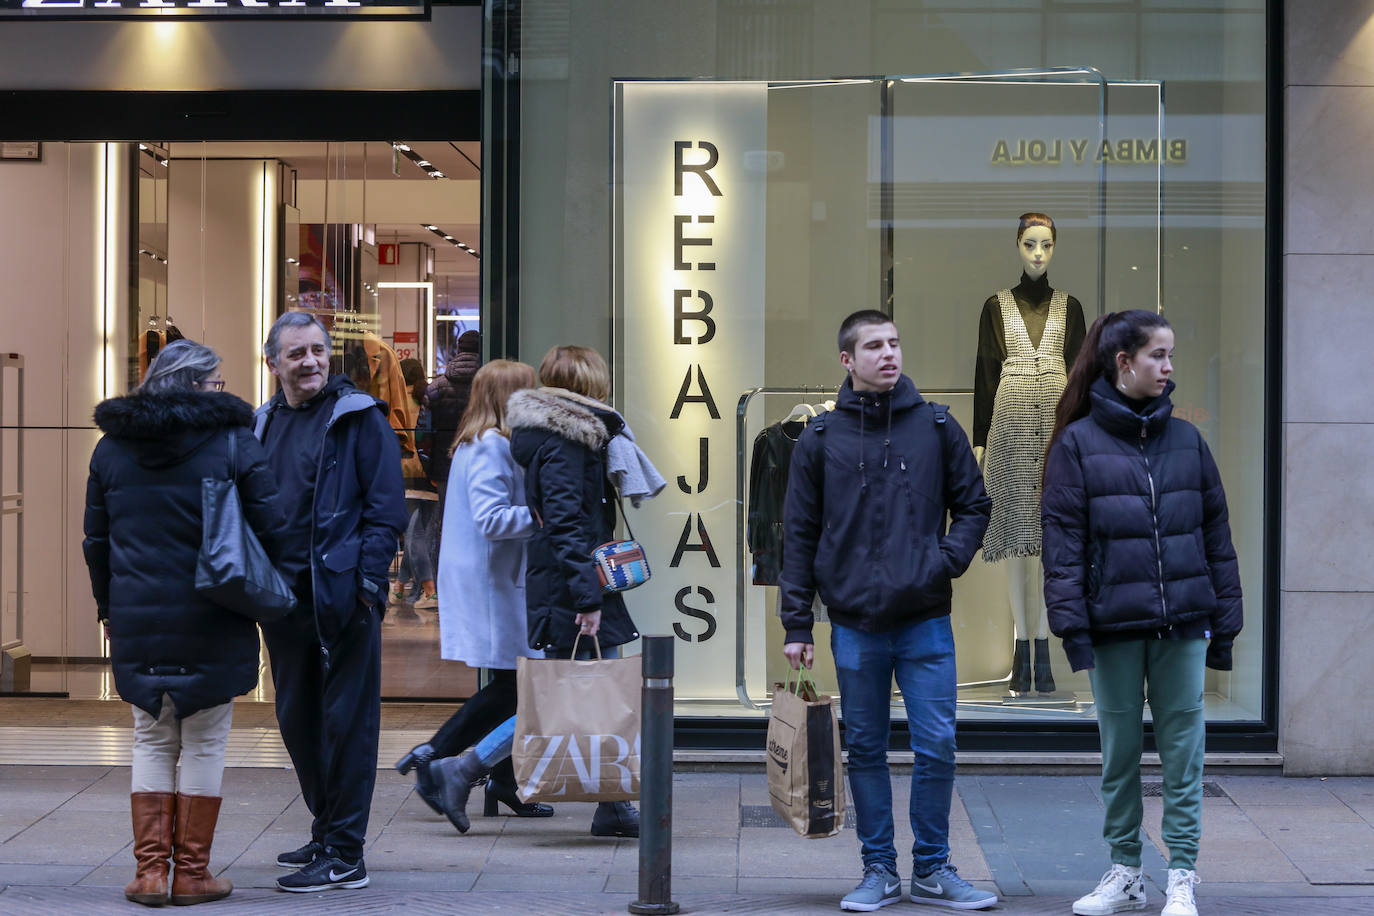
x=615 y=819
x=453 y=778
x=1044 y=679
x=419 y=760
x=1021 y=668
x=501 y=790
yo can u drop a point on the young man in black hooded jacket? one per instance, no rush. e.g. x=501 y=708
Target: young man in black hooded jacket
x=871 y=486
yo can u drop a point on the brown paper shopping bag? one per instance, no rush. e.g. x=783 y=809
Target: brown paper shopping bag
x=577 y=729
x=805 y=775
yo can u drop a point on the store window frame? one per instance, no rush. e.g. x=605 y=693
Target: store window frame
x=501 y=314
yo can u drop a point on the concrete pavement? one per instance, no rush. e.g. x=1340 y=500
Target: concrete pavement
x=1270 y=845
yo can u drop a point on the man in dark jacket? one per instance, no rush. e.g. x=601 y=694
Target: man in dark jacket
x=447 y=398
x=338 y=469
x=870 y=486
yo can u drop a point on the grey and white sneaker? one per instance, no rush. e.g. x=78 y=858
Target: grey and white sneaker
x=1179 y=897
x=299 y=858
x=880 y=886
x=944 y=887
x=327 y=872
x=1120 y=889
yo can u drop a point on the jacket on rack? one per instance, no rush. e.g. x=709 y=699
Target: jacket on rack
x=560 y=438
x=768 y=467
x=870 y=486
x=1136 y=531
x=142 y=535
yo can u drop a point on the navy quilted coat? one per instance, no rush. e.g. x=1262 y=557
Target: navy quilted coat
x=1135 y=529
x=143 y=530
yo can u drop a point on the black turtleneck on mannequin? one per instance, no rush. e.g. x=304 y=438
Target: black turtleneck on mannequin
x=1033 y=300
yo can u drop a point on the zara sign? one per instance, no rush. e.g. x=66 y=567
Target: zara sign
x=218 y=9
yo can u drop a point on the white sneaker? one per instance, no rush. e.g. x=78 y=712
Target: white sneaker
x=1180 y=893
x=1120 y=889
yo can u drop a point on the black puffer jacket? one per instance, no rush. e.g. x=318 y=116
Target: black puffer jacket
x=447 y=398
x=143 y=531
x=870 y=486
x=560 y=438
x=1135 y=529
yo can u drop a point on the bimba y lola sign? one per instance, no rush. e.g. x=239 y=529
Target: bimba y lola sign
x=219 y=9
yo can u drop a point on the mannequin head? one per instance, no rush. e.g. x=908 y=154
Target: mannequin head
x=870 y=351
x=1035 y=238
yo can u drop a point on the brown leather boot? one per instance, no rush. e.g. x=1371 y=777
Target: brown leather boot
x=152 y=816
x=195 y=832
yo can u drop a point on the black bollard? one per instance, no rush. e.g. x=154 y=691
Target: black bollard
x=656 y=780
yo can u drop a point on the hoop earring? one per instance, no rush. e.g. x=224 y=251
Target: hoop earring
x=1121 y=385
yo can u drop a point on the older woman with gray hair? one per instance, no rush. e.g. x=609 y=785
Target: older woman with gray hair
x=178 y=659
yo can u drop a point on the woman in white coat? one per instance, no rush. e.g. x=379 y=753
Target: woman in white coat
x=482 y=582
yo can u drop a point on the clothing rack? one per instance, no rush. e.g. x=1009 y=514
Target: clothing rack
x=742 y=444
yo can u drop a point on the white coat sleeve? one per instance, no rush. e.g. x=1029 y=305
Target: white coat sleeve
x=495 y=491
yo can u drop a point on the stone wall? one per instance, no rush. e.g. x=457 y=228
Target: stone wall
x=1326 y=692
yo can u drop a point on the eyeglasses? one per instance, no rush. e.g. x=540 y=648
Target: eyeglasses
x=216 y=384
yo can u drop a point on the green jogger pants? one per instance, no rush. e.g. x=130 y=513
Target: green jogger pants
x=1170 y=674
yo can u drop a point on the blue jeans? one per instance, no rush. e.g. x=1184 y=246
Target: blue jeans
x=921 y=655
x=496 y=746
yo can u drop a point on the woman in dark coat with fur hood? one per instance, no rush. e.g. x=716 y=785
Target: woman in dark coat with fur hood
x=178 y=658
x=559 y=435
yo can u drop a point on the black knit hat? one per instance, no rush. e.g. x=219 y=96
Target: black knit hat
x=470 y=342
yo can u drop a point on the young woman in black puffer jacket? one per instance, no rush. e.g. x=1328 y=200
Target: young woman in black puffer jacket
x=1141 y=584
x=178 y=658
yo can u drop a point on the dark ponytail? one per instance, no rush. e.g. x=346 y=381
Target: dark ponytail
x=1109 y=335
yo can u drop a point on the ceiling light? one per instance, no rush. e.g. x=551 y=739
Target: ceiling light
x=402 y=147
x=423 y=163
x=432 y=228
x=448 y=238
x=143 y=146
x=436 y=174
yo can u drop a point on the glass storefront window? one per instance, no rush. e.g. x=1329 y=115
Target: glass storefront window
x=713 y=190
x=129 y=245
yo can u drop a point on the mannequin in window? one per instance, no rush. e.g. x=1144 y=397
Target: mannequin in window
x=1028 y=336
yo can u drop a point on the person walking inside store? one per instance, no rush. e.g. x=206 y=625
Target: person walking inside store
x=482 y=604
x=868 y=491
x=418 y=560
x=338 y=467
x=447 y=398
x=1142 y=586
x=562 y=434
x=178 y=658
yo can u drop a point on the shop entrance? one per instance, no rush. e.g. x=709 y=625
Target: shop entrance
x=130 y=244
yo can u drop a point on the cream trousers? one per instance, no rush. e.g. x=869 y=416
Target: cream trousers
x=199 y=740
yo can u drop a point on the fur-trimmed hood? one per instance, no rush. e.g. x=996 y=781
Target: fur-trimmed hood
x=575 y=417
x=167 y=426
x=169 y=413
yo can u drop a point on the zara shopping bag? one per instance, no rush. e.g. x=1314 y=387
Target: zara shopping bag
x=577 y=729
x=805 y=775
x=232 y=569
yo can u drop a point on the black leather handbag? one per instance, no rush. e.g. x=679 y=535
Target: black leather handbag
x=232 y=569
